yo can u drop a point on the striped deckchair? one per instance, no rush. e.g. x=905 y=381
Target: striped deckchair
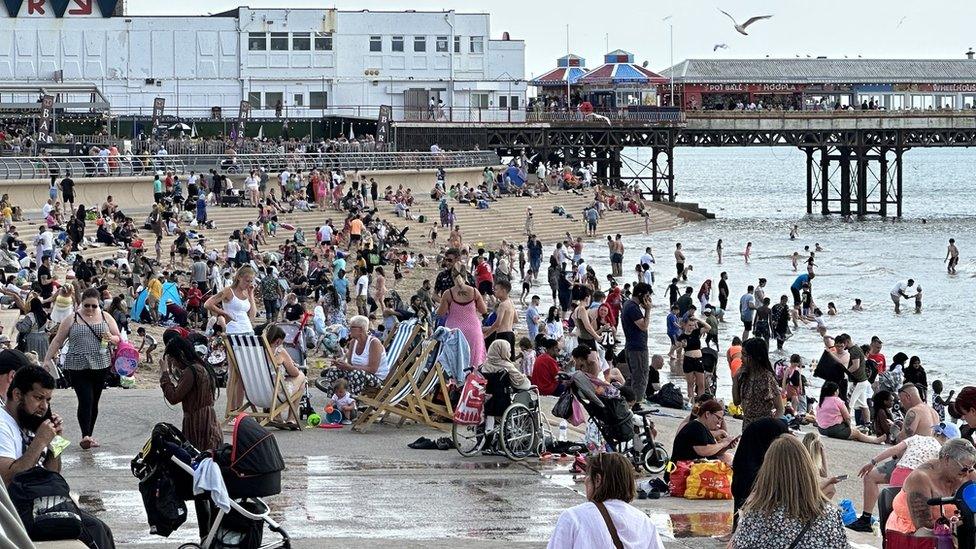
x=265 y=394
x=402 y=386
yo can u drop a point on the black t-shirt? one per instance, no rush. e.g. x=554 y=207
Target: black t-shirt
x=47 y=288
x=68 y=186
x=693 y=340
x=673 y=293
x=693 y=434
x=294 y=312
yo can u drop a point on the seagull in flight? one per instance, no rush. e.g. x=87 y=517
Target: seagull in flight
x=717 y=47
x=742 y=28
x=900 y=21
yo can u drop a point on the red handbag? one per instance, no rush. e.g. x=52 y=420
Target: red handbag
x=678 y=479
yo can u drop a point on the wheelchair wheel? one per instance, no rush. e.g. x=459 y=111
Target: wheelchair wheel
x=655 y=458
x=518 y=432
x=468 y=439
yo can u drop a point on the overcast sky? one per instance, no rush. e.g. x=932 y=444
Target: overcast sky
x=890 y=29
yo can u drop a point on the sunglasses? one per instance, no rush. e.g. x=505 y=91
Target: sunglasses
x=89 y=306
x=964 y=469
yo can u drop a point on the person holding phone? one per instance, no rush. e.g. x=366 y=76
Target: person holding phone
x=695 y=440
x=235 y=307
x=635 y=317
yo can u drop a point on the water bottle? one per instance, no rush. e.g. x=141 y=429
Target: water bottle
x=847 y=512
x=563 y=431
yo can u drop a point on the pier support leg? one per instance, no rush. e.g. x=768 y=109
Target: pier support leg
x=824 y=180
x=845 y=181
x=883 y=183
x=655 y=192
x=809 y=151
x=898 y=153
x=614 y=166
x=861 y=187
x=670 y=174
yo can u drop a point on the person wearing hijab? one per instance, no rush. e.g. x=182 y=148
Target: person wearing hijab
x=755 y=440
x=498 y=361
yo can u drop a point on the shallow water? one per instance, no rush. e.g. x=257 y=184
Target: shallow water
x=758 y=194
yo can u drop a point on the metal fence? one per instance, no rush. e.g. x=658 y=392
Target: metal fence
x=42 y=167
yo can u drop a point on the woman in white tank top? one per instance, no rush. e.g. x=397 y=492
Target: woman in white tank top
x=365 y=364
x=234 y=306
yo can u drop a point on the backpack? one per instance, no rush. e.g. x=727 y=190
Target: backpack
x=669 y=396
x=43 y=501
x=165 y=510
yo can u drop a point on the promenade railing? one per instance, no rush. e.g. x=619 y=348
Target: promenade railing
x=43 y=167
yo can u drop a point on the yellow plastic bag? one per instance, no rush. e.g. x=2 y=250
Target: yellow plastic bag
x=710 y=479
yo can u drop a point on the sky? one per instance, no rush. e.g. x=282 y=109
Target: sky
x=871 y=29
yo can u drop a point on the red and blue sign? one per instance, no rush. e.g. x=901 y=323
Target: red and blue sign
x=59 y=8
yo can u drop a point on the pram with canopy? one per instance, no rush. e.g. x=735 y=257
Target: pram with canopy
x=250 y=466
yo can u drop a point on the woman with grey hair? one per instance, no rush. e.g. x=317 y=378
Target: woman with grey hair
x=937 y=478
x=364 y=364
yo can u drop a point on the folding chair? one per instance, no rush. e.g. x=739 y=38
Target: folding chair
x=394 y=401
x=265 y=394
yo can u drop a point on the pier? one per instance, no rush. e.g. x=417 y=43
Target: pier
x=854 y=159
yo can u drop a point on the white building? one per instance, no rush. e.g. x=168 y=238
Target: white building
x=314 y=62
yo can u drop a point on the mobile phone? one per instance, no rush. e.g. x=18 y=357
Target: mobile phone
x=840 y=477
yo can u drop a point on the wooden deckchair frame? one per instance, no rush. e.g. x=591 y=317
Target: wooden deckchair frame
x=281 y=401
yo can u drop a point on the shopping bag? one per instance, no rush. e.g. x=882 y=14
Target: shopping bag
x=471 y=407
x=579 y=414
x=678 y=479
x=563 y=408
x=126 y=359
x=709 y=479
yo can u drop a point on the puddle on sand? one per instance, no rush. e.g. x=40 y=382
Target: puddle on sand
x=693 y=525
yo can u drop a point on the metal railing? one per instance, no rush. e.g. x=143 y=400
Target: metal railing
x=602 y=116
x=43 y=167
x=221 y=146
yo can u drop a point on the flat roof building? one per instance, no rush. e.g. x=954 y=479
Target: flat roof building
x=310 y=62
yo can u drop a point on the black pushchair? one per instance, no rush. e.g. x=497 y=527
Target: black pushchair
x=615 y=421
x=250 y=466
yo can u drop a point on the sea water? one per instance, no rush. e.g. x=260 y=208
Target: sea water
x=758 y=194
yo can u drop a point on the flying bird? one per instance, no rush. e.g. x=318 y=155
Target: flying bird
x=742 y=28
x=717 y=47
x=900 y=21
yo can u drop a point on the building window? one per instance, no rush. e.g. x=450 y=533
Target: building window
x=323 y=41
x=301 y=41
x=254 y=98
x=480 y=100
x=273 y=99
x=279 y=41
x=441 y=44
x=457 y=44
x=375 y=43
x=257 y=41
x=318 y=100
x=477 y=44
x=502 y=101
x=514 y=102
x=299 y=100
x=397 y=44
x=420 y=44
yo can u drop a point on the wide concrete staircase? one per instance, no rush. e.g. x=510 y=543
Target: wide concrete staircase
x=504 y=220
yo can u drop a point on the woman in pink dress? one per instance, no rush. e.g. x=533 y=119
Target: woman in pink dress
x=322 y=192
x=463 y=306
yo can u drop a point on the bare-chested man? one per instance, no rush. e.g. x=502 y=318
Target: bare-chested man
x=679 y=262
x=952 y=256
x=919 y=418
x=505 y=316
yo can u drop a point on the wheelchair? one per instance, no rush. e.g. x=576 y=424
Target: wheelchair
x=514 y=423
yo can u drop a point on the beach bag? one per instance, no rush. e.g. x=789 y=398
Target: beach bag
x=470 y=409
x=828 y=369
x=678 y=479
x=126 y=359
x=564 y=406
x=669 y=396
x=43 y=501
x=709 y=479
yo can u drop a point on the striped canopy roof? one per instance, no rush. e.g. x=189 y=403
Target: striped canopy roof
x=619 y=69
x=568 y=68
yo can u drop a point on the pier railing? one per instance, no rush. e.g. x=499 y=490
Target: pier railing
x=43 y=167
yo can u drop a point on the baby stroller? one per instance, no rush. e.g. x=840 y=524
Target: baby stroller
x=513 y=423
x=615 y=421
x=250 y=467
